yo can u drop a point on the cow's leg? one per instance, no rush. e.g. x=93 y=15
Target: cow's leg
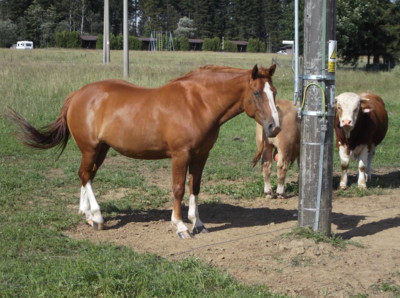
x=196 y=167
x=266 y=163
x=371 y=154
x=344 y=162
x=362 y=163
x=282 y=167
x=179 y=167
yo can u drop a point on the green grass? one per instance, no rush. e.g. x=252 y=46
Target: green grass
x=39 y=194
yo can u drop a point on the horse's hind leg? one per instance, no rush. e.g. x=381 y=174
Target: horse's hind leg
x=195 y=172
x=179 y=168
x=91 y=162
x=282 y=167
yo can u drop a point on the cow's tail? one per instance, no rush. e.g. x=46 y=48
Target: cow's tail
x=49 y=136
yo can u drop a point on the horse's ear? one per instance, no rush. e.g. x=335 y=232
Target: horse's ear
x=272 y=70
x=254 y=73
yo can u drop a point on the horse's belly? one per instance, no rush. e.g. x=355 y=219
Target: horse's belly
x=138 y=146
x=144 y=154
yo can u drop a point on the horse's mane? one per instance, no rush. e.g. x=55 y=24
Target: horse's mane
x=213 y=69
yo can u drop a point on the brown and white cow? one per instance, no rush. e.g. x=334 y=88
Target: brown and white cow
x=361 y=123
x=284 y=148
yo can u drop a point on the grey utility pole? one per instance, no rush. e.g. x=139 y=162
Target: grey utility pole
x=126 y=40
x=106 y=33
x=316 y=155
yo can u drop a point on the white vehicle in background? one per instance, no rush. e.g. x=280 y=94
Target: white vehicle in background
x=24 y=45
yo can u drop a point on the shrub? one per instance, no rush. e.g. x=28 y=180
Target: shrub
x=99 y=42
x=135 y=43
x=183 y=44
x=116 y=42
x=216 y=44
x=255 y=45
x=211 y=44
x=61 y=39
x=230 y=47
x=263 y=47
x=207 y=44
x=73 y=40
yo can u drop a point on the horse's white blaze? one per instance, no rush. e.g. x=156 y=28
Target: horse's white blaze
x=95 y=213
x=271 y=102
x=193 y=213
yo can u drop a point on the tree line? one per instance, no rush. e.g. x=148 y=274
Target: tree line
x=364 y=27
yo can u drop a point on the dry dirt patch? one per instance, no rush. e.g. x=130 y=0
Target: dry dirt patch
x=246 y=239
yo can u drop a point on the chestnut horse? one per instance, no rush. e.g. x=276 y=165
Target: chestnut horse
x=180 y=120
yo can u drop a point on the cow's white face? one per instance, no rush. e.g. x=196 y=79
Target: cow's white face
x=348 y=107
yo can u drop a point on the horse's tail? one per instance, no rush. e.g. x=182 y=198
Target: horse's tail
x=49 y=136
x=257 y=155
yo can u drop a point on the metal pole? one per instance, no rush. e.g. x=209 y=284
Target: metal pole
x=106 y=33
x=296 y=52
x=316 y=155
x=126 y=40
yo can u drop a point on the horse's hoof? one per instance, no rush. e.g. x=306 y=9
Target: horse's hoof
x=200 y=230
x=185 y=235
x=269 y=196
x=96 y=225
x=281 y=196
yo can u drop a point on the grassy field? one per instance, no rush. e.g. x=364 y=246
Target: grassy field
x=39 y=194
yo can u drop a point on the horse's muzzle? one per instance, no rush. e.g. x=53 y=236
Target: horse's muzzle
x=270 y=129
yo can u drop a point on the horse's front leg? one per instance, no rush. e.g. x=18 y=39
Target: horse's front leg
x=195 y=172
x=266 y=164
x=179 y=168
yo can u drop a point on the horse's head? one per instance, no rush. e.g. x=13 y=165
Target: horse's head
x=261 y=105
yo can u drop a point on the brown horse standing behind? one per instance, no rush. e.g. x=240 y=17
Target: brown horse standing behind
x=179 y=120
x=284 y=148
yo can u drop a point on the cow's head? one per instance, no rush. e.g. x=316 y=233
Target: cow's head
x=348 y=106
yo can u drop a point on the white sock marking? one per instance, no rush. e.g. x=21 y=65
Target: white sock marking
x=193 y=213
x=94 y=206
x=178 y=224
